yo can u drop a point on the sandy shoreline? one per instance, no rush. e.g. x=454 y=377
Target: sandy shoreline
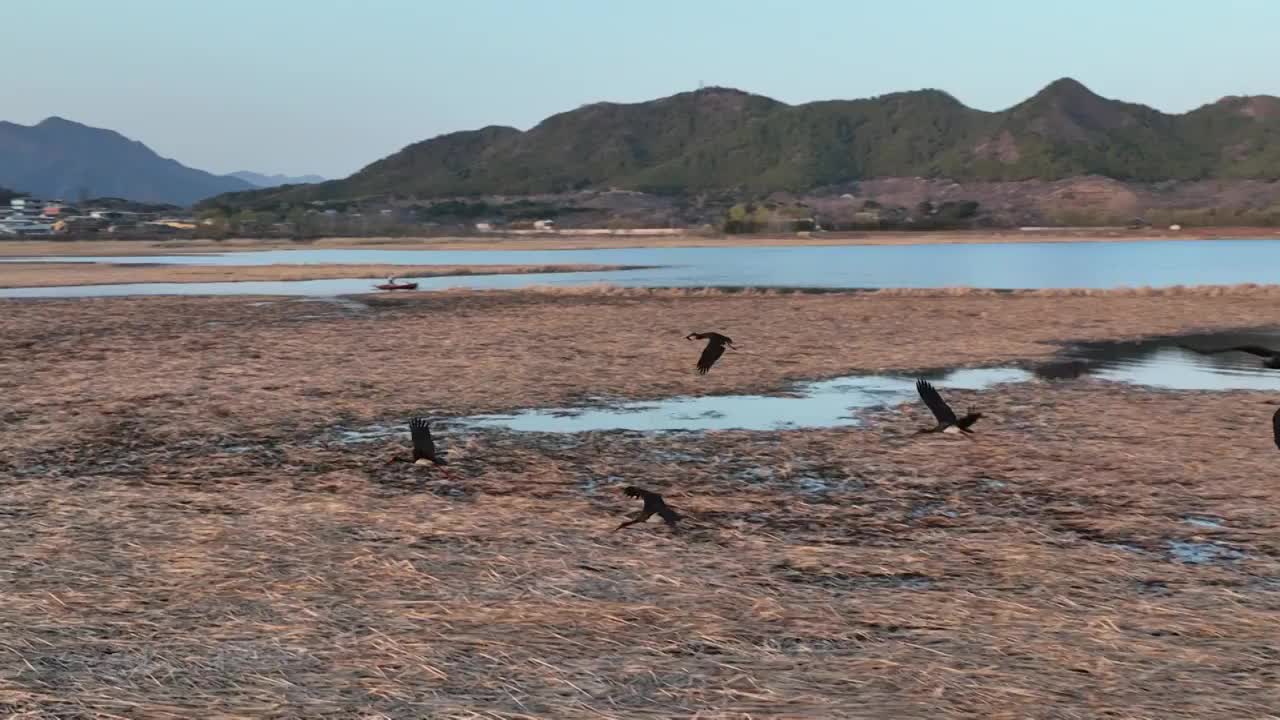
x=16 y=275
x=567 y=241
x=178 y=504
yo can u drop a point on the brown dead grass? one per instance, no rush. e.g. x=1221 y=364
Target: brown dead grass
x=184 y=537
x=54 y=274
x=248 y=365
x=566 y=240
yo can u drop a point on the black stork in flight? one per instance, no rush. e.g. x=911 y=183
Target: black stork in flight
x=424 y=447
x=947 y=420
x=1270 y=358
x=711 y=353
x=653 y=505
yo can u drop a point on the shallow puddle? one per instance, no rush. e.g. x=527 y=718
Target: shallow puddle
x=1172 y=362
x=1151 y=362
x=1203 y=521
x=1160 y=362
x=1186 y=551
x=830 y=403
x=1201 y=553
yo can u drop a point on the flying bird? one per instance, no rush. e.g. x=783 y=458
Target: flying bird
x=947 y=420
x=1270 y=358
x=653 y=505
x=424 y=447
x=712 y=352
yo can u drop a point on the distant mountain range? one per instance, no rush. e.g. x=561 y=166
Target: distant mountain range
x=722 y=138
x=268 y=181
x=58 y=158
x=61 y=159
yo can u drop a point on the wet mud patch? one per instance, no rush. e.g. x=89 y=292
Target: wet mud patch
x=851 y=582
x=1203 y=521
x=1201 y=553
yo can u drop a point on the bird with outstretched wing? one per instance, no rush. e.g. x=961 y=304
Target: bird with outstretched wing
x=653 y=505
x=716 y=344
x=424 y=446
x=946 y=417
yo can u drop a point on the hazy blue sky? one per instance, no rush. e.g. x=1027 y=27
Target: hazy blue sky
x=327 y=86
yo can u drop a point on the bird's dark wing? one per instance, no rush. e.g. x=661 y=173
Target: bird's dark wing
x=1251 y=349
x=652 y=500
x=937 y=405
x=1275 y=427
x=669 y=515
x=423 y=446
x=710 y=354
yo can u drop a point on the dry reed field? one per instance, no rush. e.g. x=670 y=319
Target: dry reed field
x=188 y=534
x=55 y=274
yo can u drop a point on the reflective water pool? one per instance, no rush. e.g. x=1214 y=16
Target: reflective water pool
x=830 y=403
x=1172 y=362
x=1152 y=362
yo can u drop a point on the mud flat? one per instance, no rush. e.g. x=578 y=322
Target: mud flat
x=189 y=534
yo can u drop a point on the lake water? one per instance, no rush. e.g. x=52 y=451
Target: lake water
x=993 y=265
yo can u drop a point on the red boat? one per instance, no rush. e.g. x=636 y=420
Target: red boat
x=398 y=286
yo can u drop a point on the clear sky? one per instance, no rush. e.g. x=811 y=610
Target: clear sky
x=327 y=86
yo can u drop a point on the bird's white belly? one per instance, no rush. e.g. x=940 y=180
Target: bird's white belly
x=951 y=429
x=422 y=461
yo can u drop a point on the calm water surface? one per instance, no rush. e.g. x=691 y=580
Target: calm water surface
x=994 y=265
x=830 y=403
x=1172 y=362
